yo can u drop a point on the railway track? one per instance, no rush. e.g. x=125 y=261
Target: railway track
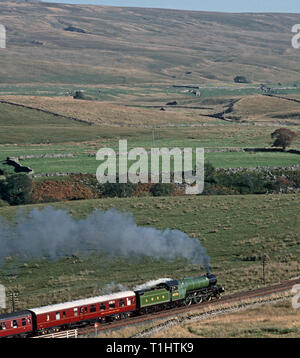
x=213 y=305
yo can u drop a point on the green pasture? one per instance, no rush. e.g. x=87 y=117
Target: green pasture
x=82 y=163
x=233 y=229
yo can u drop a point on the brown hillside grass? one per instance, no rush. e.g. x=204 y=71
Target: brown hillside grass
x=273 y=320
x=105 y=112
x=266 y=109
x=136 y=45
x=256 y=109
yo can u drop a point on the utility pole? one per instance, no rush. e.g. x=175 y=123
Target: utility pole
x=264 y=258
x=153 y=136
x=14 y=297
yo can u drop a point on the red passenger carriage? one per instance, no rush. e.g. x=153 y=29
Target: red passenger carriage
x=15 y=324
x=95 y=309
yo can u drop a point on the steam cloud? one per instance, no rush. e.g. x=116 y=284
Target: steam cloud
x=151 y=283
x=55 y=233
x=113 y=287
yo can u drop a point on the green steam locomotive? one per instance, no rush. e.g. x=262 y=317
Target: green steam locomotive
x=167 y=294
x=174 y=293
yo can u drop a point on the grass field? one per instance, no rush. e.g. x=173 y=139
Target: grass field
x=229 y=227
x=215 y=136
x=279 y=320
x=22 y=125
x=26 y=131
x=82 y=163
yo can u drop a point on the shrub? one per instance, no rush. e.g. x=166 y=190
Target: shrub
x=244 y=182
x=16 y=189
x=161 y=189
x=120 y=190
x=283 y=184
x=79 y=95
x=209 y=173
x=294 y=177
x=3 y=203
x=88 y=181
x=240 y=79
x=51 y=190
x=215 y=189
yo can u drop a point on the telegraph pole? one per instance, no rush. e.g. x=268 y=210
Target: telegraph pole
x=264 y=258
x=14 y=297
x=153 y=135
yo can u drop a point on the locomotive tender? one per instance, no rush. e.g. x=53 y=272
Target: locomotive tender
x=165 y=295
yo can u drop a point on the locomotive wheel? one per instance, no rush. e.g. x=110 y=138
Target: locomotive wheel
x=198 y=299
x=207 y=298
x=188 y=301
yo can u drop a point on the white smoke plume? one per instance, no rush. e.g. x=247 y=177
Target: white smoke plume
x=113 y=287
x=151 y=283
x=54 y=233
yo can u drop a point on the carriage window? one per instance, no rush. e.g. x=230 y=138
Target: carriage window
x=75 y=311
x=2 y=325
x=57 y=315
x=92 y=308
x=48 y=317
x=128 y=301
x=28 y=320
x=112 y=304
x=83 y=310
x=64 y=314
x=23 y=321
x=121 y=302
x=102 y=306
x=14 y=323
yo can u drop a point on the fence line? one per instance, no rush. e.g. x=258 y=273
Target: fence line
x=67 y=334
